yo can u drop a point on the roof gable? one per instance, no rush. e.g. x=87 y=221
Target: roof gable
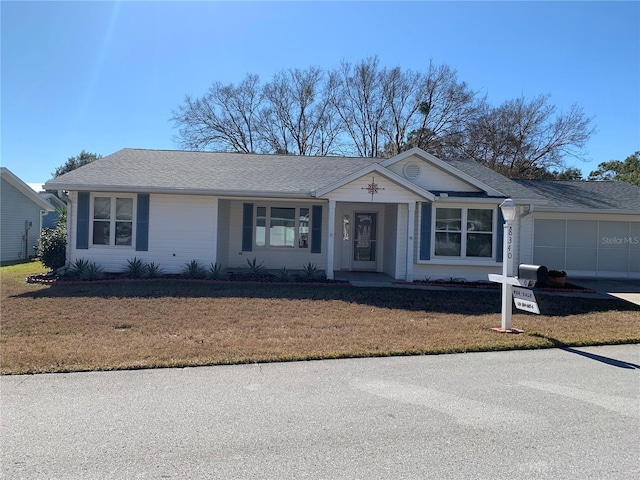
x=375 y=168
x=25 y=189
x=443 y=166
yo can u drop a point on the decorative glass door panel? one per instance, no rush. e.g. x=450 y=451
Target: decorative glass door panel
x=365 y=231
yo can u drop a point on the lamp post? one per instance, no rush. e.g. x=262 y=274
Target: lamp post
x=508 y=208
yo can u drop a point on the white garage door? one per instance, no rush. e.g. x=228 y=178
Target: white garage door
x=588 y=247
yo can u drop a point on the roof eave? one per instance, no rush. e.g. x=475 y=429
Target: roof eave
x=177 y=191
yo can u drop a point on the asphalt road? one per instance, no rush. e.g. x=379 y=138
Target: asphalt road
x=556 y=414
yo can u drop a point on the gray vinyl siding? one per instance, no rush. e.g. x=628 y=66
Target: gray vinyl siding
x=16 y=208
x=276 y=257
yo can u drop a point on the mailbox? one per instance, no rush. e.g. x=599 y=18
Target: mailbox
x=535 y=273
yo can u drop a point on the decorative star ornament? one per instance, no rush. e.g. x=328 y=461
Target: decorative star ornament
x=372 y=187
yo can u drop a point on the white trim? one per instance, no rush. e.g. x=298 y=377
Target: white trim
x=436 y=162
x=331 y=227
x=381 y=171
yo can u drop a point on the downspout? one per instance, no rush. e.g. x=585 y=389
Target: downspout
x=67 y=197
x=43 y=213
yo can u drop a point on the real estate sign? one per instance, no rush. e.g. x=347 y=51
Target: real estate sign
x=524 y=299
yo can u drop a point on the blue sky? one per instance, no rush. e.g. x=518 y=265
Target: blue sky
x=102 y=76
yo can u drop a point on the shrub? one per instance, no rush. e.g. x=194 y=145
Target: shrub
x=52 y=249
x=216 y=271
x=283 y=275
x=254 y=270
x=194 y=270
x=135 y=268
x=153 y=270
x=85 y=270
x=309 y=273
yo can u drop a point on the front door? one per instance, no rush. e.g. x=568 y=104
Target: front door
x=365 y=241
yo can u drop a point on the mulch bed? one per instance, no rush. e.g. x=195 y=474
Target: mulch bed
x=119 y=277
x=567 y=287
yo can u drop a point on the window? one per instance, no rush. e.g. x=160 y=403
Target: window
x=112 y=221
x=463 y=232
x=282 y=227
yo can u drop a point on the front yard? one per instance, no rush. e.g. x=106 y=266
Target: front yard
x=138 y=324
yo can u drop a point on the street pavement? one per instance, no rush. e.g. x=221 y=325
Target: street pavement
x=545 y=414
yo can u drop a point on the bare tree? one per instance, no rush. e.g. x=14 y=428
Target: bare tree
x=226 y=118
x=299 y=114
x=370 y=111
x=362 y=102
x=523 y=139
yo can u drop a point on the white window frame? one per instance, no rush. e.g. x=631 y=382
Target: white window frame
x=112 y=220
x=267 y=236
x=463 y=233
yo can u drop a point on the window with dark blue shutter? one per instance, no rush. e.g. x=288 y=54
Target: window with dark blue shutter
x=316 y=229
x=247 y=227
x=425 y=231
x=82 y=222
x=142 y=223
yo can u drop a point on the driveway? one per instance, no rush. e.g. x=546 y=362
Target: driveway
x=546 y=414
x=628 y=290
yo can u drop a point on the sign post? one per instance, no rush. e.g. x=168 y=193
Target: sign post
x=508 y=208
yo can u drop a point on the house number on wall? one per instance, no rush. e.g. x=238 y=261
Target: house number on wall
x=372 y=187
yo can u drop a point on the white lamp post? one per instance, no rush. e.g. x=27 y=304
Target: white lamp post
x=508 y=208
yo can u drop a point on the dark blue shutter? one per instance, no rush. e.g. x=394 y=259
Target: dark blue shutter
x=425 y=232
x=500 y=237
x=82 y=223
x=247 y=227
x=142 y=223
x=316 y=228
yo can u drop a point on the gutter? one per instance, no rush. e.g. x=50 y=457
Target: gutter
x=181 y=191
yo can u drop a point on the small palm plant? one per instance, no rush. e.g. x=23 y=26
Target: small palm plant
x=135 y=268
x=78 y=268
x=85 y=270
x=193 y=270
x=254 y=270
x=153 y=270
x=283 y=275
x=216 y=272
x=309 y=273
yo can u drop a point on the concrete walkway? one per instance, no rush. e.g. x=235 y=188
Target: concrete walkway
x=628 y=290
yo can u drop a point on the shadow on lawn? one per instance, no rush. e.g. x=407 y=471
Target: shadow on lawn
x=454 y=302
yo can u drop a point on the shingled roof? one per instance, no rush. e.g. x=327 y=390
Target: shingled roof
x=577 y=195
x=208 y=172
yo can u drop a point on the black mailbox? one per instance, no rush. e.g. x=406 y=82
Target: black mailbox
x=536 y=273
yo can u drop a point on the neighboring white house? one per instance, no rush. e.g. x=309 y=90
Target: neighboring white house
x=411 y=216
x=21 y=213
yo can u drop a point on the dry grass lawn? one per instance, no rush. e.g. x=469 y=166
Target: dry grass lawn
x=99 y=326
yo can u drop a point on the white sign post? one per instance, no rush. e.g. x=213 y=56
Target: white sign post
x=508 y=208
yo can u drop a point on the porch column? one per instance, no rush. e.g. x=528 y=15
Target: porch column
x=331 y=238
x=411 y=224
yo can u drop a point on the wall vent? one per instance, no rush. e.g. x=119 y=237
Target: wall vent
x=411 y=171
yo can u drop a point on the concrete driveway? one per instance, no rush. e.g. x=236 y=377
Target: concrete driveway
x=628 y=290
x=546 y=414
